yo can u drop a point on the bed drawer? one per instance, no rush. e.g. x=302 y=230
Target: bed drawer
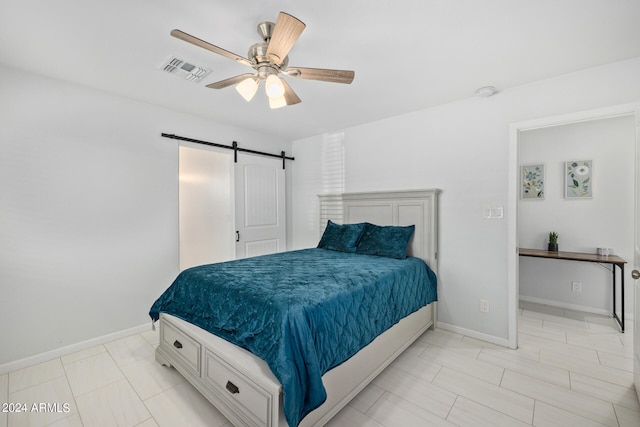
x=247 y=397
x=181 y=345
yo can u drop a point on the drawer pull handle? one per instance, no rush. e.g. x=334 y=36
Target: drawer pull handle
x=232 y=388
x=177 y=344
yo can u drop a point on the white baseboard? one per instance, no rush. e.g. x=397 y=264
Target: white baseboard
x=63 y=351
x=504 y=342
x=559 y=304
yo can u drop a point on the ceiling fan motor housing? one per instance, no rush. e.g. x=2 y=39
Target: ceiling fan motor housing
x=258 y=55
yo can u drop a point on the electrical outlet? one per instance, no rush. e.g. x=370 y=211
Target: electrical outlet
x=576 y=287
x=484 y=305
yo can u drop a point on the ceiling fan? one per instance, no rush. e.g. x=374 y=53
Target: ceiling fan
x=269 y=59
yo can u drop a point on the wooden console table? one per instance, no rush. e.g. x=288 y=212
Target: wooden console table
x=614 y=260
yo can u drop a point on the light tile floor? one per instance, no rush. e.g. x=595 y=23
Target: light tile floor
x=572 y=369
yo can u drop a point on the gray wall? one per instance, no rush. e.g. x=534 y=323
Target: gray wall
x=88 y=210
x=463 y=149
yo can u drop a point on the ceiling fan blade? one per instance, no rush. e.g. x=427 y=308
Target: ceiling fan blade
x=325 y=75
x=230 y=81
x=287 y=30
x=213 y=48
x=289 y=95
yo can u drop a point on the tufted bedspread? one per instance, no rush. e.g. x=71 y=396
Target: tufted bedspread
x=303 y=312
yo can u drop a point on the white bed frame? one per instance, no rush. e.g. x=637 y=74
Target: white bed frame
x=242 y=386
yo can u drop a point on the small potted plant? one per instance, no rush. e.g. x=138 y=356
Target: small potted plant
x=553 y=241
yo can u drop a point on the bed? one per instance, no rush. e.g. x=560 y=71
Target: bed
x=306 y=315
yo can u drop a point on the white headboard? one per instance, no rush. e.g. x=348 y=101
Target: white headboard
x=419 y=207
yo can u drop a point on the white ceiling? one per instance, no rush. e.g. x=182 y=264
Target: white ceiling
x=408 y=55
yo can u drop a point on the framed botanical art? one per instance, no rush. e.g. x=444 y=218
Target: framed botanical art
x=579 y=179
x=532 y=182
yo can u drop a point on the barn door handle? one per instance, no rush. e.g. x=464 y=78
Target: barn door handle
x=237 y=236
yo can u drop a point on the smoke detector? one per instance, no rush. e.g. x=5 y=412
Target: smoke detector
x=486 y=91
x=184 y=69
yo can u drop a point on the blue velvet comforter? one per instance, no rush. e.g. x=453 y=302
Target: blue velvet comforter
x=303 y=312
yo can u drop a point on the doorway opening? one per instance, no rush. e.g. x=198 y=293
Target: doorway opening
x=229 y=209
x=206 y=206
x=518 y=133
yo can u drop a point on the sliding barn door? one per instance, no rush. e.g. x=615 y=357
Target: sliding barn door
x=260 y=206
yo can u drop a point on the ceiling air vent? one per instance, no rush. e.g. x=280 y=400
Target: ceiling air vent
x=184 y=69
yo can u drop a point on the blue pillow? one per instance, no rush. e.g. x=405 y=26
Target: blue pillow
x=389 y=241
x=341 y=238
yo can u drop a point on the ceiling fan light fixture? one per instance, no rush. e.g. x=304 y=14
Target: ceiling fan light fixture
x=247 y=88
x=274 y=87
x=277 y=102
